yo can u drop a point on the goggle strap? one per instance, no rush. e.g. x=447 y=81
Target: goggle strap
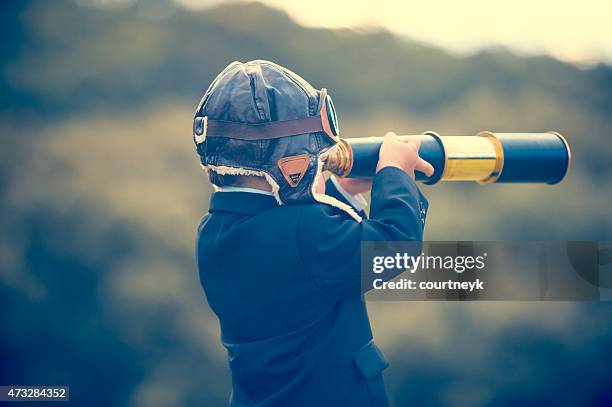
x=262 y=131
x=202 y=127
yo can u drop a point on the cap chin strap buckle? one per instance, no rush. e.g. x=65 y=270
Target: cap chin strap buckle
x=200 y=125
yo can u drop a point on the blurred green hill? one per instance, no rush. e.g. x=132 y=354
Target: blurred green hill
x=73 y=58
x=101 y=192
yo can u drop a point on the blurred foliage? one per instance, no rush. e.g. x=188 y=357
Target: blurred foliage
x=101 y=192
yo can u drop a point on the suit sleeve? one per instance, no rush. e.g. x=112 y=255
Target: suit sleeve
x=330 y=241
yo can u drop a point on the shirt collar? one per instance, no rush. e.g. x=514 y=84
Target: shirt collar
x=247 y=203
x=244 y=189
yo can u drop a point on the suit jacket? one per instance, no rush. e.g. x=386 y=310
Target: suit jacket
x=285 y=284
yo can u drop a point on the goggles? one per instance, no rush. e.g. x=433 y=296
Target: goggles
x=326 y=121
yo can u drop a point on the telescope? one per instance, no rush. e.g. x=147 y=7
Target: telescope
x=485 y=158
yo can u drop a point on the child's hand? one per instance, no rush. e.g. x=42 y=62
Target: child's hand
x=403 y=155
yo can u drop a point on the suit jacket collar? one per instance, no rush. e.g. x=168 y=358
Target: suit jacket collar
x=241 y=202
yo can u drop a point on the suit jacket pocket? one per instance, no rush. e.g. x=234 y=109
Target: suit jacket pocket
x=369 y=360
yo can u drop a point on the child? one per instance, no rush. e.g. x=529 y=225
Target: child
x=279 y=251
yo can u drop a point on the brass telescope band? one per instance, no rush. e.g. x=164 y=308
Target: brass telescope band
x=485 y=158
x=470 y=158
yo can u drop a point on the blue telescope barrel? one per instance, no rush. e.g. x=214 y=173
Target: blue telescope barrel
x=485 y=158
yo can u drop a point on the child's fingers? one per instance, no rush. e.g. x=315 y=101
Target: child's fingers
x=390 y=136
x=415 y=141
x=425 y=167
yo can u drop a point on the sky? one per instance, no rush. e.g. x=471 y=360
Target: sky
x=574 y=31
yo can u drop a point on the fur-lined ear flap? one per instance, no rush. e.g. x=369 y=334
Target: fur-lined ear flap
x=226 y=170
x=321 y=198
x=329 y=200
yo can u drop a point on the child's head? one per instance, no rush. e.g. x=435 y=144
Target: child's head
x=259 y=122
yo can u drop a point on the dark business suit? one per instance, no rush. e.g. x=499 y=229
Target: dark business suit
x=285 y=284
